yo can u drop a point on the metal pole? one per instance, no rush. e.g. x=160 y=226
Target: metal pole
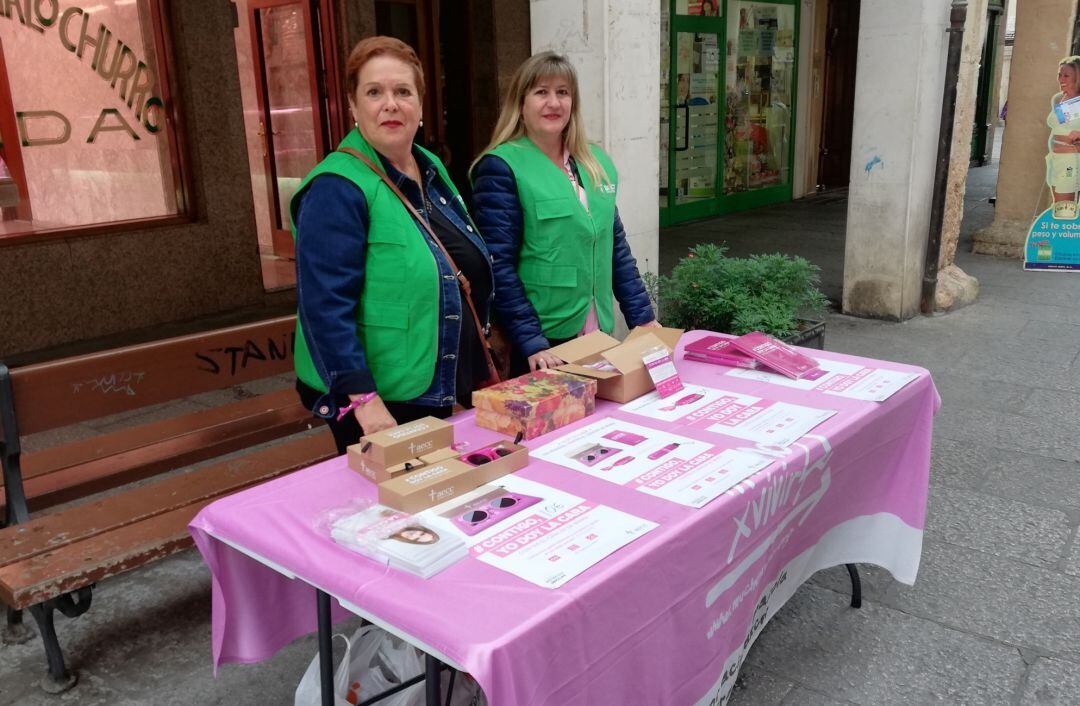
x=957 y=17
x=431 y=685
x=326 y=648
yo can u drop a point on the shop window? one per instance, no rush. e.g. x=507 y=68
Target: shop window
x=759 y=97
x=85 y=116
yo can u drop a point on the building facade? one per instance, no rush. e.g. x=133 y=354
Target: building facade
x=150 y=147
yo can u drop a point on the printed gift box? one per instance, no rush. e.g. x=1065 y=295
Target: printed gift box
x=535 y=403
x=383 y=455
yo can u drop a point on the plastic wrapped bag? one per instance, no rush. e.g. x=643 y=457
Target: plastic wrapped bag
x=374 y=662
x=309 y=690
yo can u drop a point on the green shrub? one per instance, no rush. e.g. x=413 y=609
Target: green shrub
x=768 y=293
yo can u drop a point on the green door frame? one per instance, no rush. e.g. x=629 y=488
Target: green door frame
x=984 y=112
x=672 y=213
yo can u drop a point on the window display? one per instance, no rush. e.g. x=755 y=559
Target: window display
x=728 y=72
x=696 y=115
x=760 y=75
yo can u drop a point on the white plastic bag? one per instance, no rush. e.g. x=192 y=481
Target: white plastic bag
x=309 y=690
x=402 y=662
x=374 y=662
x=398 y=661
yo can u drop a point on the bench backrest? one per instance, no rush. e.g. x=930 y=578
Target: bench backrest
x=71 y=390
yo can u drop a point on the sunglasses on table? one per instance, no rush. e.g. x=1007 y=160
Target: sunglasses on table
x=486 y=455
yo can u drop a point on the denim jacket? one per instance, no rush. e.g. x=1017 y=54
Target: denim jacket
x=330 y=258
x=498 y=212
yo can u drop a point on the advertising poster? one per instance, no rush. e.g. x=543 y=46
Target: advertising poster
x=732 y=414
x=669 y=466
x=534 y=531
x=1053 y=241
x=701 y=8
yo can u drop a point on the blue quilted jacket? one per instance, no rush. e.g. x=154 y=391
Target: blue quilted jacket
x=498 y=215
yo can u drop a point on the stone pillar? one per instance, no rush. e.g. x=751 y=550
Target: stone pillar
x=615 y=47
x=898 y=90
x=955 y=287
x=1043 y=37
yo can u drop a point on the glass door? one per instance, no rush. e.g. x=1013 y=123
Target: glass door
x=760 y=101
x=690 y=112
x=291 y=125
x=14 y=196
x=727 y=105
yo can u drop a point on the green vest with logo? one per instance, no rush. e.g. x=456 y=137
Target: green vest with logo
x=566 y=251
x=397 y=317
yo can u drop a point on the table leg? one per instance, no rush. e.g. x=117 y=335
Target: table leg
x=433 y=673
x=326 y=648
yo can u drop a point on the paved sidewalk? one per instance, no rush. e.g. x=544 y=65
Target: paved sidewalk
x=994 y=617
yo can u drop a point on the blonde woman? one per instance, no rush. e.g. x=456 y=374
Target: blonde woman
x=1063 y=158
x=544 y=199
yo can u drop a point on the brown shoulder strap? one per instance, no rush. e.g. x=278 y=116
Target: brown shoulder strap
x=463 y=281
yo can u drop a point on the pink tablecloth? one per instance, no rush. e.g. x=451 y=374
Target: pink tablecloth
x=666 y=620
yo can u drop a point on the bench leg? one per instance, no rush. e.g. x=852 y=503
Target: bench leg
x=16 y=631
x=58 y=679
x=856 y=586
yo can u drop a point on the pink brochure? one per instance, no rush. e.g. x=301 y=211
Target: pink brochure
x=776 y=355
x=718 y=351
x=661 y=369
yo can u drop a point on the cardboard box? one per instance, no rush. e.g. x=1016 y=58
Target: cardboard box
x=381 y=451
x=630 y=379
x=442 y=454
x=376 y=474
x=438 y=482
x=535 y=403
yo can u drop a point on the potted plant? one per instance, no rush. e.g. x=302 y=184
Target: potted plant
x=767 y=293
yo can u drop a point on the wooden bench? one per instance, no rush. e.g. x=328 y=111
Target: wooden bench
x=51 y=562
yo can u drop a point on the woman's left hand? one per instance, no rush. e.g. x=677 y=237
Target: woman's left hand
x=651 y=324
x=544 y=359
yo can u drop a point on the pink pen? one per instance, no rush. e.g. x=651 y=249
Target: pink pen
x=660 y=452
x=685 y=399
x=622 y=461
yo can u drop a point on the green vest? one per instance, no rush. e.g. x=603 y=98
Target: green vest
x=566 y=252
x=397 y=317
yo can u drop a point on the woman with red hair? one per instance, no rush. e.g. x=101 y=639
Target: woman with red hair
x=387 y=331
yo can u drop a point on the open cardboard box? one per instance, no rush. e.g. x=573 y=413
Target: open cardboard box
x=630 y=380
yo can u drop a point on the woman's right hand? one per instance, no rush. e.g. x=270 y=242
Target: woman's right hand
x=544 y=359
x=373 y=416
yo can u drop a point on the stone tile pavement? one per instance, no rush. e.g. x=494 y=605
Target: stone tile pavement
x=994 y=617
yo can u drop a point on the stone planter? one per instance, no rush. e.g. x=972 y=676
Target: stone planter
x=811 y=334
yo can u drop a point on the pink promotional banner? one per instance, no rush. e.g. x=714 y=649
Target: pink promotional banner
x=666 y=619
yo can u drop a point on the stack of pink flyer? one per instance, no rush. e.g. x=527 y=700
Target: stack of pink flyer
x=718 y=351
x=777 y=356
